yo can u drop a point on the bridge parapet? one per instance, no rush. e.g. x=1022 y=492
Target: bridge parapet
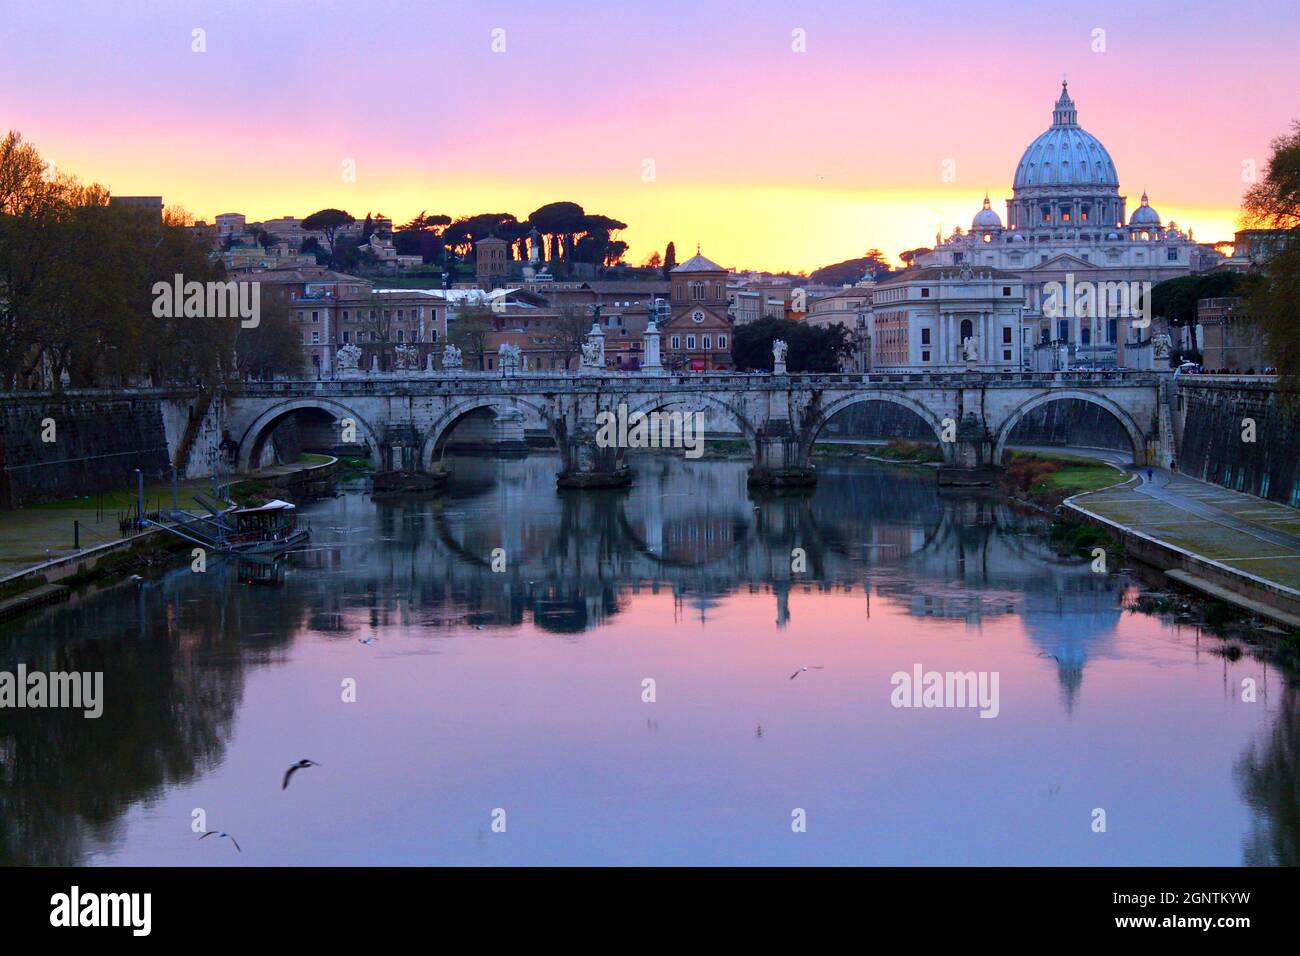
x=557 y=382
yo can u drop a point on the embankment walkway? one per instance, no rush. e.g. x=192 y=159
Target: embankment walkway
x=1220 y=541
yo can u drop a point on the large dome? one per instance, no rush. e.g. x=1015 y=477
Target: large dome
x=1066 y=154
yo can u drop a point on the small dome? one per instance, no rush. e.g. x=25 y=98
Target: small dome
x=1144 y=215
x=986 y=218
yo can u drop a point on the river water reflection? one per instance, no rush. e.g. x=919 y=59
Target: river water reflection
x=522 y=691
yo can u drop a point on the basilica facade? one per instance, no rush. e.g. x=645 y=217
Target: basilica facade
x=1067 y=228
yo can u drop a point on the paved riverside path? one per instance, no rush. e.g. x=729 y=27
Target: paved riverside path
x=1240 y=531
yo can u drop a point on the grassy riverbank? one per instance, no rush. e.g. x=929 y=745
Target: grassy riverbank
x=896 y=449
x=1048 y=479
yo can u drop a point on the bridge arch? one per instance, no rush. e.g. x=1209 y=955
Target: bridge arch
x=435 y=439
x=926 y=414
x=646 y=404
x=255 y=435
x=1136 y=436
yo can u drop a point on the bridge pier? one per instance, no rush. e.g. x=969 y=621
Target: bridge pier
x=972 y=461
x=400 y=470
x=779 y=459
x=587 y=464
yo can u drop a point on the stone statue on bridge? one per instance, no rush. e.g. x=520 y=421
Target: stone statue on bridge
x=451 y=359
x=593 y=350
x=779 y=349
x=508 y=358
x=1162 y=345
x=348 y=358
x=408 y=358
x=970 y=349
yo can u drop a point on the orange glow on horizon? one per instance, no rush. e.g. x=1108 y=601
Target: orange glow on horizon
x=770 y=228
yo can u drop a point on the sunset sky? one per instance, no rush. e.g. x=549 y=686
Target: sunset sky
x=769 y=158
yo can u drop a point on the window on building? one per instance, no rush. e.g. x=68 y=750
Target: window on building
x=708 y=342
x=697 y=290
x=925 y=293
x=1006 y=290
x=345 y=338
x=1006 y=355
x=925 y=355
x=1172 y=255
x=690 y=341
x=315 y=316
x=676 y=342
x=1006 y=335
x=722 y=341
x=967 y=329
x=1112 y=330
x=315 y=338
x=1063 y=330
x=925 y=336
x=399 y=335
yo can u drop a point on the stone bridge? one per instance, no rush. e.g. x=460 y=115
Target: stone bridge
x=405 y=422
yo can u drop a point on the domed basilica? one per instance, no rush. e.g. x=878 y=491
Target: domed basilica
x=1067 y=223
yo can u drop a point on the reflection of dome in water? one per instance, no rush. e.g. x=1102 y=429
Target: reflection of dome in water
x=1072 y=627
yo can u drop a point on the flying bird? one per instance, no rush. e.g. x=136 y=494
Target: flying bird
x=224 y=835
x=816 y=667
x=300 y=765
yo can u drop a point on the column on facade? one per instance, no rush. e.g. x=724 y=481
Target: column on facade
x=327 y=364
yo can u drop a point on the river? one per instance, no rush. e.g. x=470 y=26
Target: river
x=618 y=690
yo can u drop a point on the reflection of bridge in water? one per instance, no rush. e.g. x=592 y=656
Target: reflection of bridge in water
x=572 y=560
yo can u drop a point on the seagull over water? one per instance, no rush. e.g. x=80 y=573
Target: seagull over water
x=300 y=765
x=816 y=667
x=218 y=833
